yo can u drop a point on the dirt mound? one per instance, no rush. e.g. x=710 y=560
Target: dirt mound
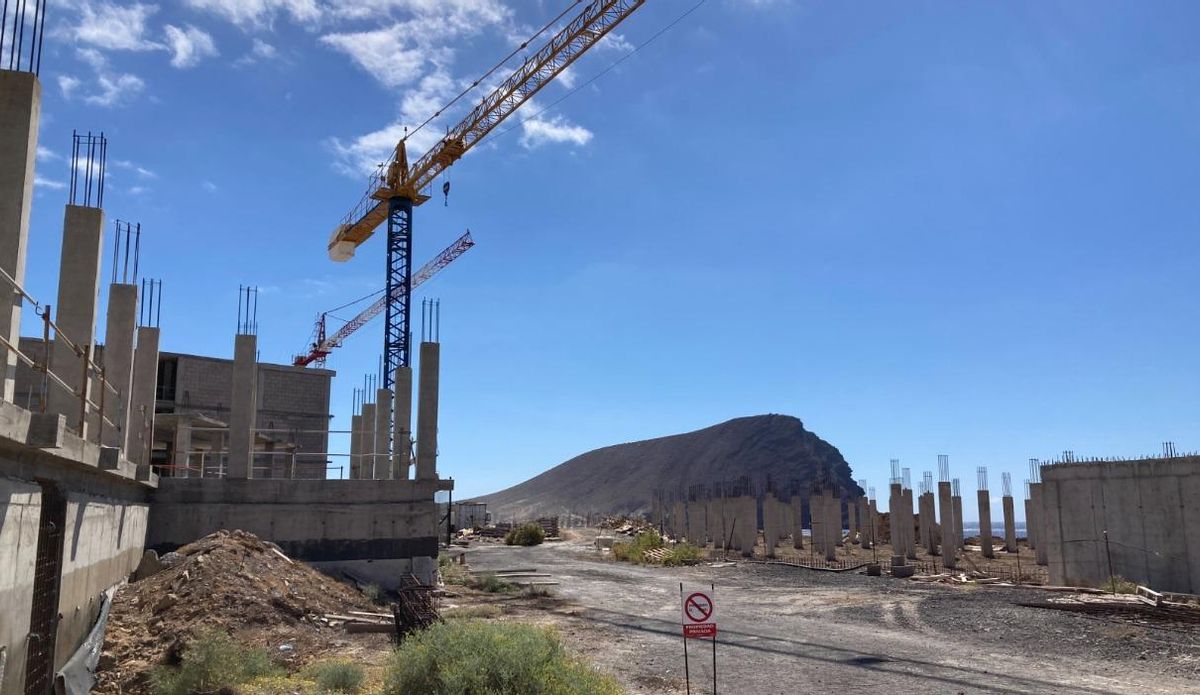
x=232 y=581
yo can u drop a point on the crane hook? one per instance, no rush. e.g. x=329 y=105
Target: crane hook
x=446 y=192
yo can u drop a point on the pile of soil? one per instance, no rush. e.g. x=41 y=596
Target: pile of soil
x=232 y=581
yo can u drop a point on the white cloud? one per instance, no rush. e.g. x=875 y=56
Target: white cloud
x=114 y=27
x=45 y=154
x=112 y=88
x=138 y=190
x=141 y=171
x=538 y=131
x=254 y=14
x=209 y=186
x=48 y=183
x=189 y=45
x=67 y=85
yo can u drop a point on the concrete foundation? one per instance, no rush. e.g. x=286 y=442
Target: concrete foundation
x=1010 y=525
x=118 y=361
x=75 y=310
x=349 y=524
x=243 y=407
x=427 y=412
x=1150 y=509
x=20 y=112
x=381 y=465
x=985 y=524
x=402 y=425
x=142 y=401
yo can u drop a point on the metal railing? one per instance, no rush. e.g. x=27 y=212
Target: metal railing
x=88 y=368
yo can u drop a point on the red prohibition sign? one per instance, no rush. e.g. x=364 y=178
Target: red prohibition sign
x=698 y=607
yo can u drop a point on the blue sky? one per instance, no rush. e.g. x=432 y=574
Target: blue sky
x=923 y=228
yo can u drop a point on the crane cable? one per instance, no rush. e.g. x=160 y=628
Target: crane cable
x=497 y=66
x=603 y=72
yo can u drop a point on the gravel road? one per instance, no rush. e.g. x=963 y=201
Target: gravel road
x=790 y=630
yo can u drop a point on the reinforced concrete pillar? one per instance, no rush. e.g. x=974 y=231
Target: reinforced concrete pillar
x=748 y=522
x=866 y=532
x=382 y=465
x=243 y=407
x=402 y=432
x=355 y=447
x=852 y=518
x=946 y=504
x=711 y=522
x=957 y=540
x=20 y=114
x=427 y=412
x=985 y=524
x=797 y=511
x=906 y=510
x=1029 y=539
x=1010 y=525
x=75 y=310
x=895 y=523
x=816 y=521
x=142 y=394
x=770 y=524
x=181 y=446
x=366 y=443
x=833 y=525
x=118 y=365
x=1036 y=524
x=876 y=527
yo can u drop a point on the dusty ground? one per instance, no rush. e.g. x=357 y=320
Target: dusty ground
x=786 y=630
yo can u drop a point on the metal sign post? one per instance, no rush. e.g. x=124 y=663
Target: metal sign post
x=699 y=622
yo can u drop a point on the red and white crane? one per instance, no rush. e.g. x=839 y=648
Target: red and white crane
x=322 y=346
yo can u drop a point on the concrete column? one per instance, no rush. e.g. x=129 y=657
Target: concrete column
x=1029 y=539
x=355 y=447
x=770 y=524
x=20 y=114
x=182 y=444
x=866 y=532
x=383 y=435
x=748 y=522
x=711 y=521
x=906 y=510
x=985 y=524
x=366 y=445
x=1037 y=529
x=946 y=505
x=895 y=498
x=816 y=521
x=140 y=441
x=958 y=542
x=118 y=365
x=876 y=527
x=427 y=412
x=852 y=517
x=833 y=525
x=797 y=525
x=75 y=310
x=1010 y=525
x=402 y=424
x=243 y=407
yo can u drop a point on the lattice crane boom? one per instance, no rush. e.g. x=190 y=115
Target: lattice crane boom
x=397 y=179
x=324 y=346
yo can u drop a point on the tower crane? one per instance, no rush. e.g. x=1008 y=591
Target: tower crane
x=401 y=187
x=322 y=346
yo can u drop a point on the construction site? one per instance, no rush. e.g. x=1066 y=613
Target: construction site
x=154 y=500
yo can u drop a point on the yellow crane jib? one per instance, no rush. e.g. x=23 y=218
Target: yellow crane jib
x=397 y=180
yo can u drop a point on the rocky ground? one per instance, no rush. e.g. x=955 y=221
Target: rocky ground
x=785 y=629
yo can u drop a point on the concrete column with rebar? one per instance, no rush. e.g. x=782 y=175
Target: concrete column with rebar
x=1035 y=523
x=142 y=394
x=402 y=425
x=748 y=523
x=20 y=114
x=243 y=407
x=119 y=330
x=797 y=511
x=427 y=412
x=908 y=527
x=770 y=524
x=366 y=443
x=957 y=540
x=75 y=310
x=356 y=425
x=946 y=507
x=833 y=525
x=1010 y=524
x=383 y=435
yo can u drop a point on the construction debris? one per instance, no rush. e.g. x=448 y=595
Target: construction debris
x=231 y=581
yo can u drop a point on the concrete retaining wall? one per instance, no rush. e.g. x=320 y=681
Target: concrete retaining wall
x=342 y=522
x=1150 y=508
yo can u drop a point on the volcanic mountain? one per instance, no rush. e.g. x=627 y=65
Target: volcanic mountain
x=622 y=479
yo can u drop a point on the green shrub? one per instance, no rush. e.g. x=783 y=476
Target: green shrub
x=682 y=554
x=635 y=550
x=486 y=610
x=467 y=657
x=491 y=584
x=373 y=593
x=525 y=534
x=211 y=662
x=1120 y=585
x=338 y=676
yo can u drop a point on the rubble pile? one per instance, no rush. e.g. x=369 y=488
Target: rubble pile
x=232 y=581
